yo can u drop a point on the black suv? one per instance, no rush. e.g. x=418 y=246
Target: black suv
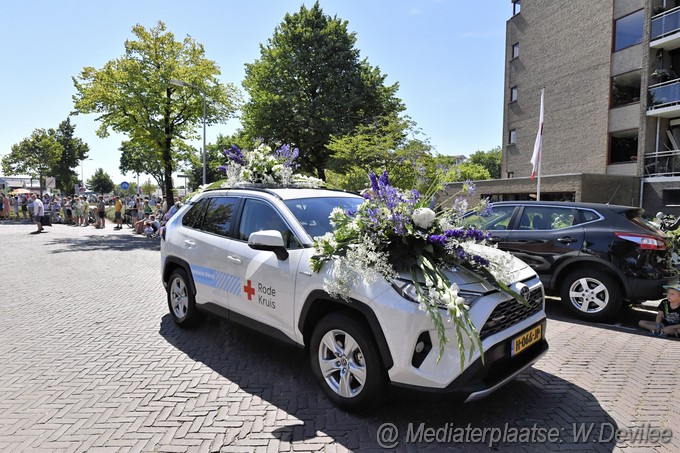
x=592 y=255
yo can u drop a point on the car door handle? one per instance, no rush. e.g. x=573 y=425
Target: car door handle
x=234 y=259
x=189 y=243
x=567 y=240
x=494 y=239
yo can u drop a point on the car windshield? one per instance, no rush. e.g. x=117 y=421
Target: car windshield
x=313 y=213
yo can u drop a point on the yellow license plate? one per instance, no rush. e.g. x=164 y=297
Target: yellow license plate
x=525 y=340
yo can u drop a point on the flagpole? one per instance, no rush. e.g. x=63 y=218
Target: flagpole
x=538 y=149
x=538 y=183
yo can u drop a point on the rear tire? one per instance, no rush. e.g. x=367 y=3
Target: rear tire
x=591 y=294
x=346 y=362
x=181 y=301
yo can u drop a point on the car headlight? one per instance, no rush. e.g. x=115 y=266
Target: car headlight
x=407 y=290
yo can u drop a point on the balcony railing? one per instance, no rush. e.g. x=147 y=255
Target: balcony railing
x=665 y=24
x=664 y=94
x=663 y=163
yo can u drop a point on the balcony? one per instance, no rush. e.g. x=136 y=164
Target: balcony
x=664 y=99
x=663 y=163
x=665 y=32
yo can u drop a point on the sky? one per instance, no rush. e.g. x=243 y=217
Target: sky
x=446 y=55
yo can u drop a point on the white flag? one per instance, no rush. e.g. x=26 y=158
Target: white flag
x=538 y=145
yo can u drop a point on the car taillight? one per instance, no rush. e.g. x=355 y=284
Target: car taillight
x=645 y=242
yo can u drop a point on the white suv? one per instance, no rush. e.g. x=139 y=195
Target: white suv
x=244 y=254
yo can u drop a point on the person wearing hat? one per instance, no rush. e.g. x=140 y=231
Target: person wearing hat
x=667 y=322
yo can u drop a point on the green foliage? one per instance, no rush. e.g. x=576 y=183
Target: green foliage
x=309 y=85
x=148 y=188
x=74 y=151
x=467 y=171
x=491 y=160
x=34 y=156
x=101 y=182
x=133 y=95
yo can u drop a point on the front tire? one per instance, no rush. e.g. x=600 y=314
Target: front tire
x=181 y=301
x=346 y=362
x=591 y=295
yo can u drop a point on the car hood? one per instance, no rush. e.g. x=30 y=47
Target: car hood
x=509 y=268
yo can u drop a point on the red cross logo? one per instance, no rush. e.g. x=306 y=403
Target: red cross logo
x=248 y=289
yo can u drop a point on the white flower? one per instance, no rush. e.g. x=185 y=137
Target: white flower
x=423 y=217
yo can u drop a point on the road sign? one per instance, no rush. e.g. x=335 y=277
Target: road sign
x=125 y=185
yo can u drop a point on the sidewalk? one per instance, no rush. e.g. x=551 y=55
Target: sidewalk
x=92 y=362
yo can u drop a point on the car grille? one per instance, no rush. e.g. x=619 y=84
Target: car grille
x=510 y=312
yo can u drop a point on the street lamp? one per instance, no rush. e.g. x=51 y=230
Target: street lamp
x=82 y=172
x=181 y=83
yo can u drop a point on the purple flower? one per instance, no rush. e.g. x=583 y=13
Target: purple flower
x=374 y=181
x=235 y=154
x=222 y=168
x=288 y=154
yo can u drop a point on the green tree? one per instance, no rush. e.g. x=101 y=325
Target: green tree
x=148 y=188
x=100 y=182
x=491 y=160
x=387 y=145
x=309 y=84
x=134 y=95
x=34 y=156
x=74 y=151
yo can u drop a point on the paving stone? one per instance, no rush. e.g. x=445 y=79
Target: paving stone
x=93 y=362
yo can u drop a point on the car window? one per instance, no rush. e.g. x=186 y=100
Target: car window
x=257 y=216
x=495 y=219
x=219 y=214
x=588 y=215
x=313 y=213
x=194 y=216
x=546 y=218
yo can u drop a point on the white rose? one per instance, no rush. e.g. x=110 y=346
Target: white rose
x=423 y=217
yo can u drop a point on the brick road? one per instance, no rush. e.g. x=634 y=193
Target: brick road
x=91 y=361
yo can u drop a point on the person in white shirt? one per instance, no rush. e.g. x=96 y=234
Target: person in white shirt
x=38 y=212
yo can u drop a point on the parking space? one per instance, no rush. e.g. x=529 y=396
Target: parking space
x=91 y=361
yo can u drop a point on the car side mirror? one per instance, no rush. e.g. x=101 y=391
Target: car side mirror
x=268 y=240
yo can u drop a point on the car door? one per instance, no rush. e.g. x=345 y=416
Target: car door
x=207 y=248
x=267 y=292
x=496 y=221
x=542 y=236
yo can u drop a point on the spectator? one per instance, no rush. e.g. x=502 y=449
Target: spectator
x=38 y=212
x=5 y=207
x=15 y=204
x=667 y=320
x=101 y=212
x=77 y=205
x=118 y=214
x=56 y=208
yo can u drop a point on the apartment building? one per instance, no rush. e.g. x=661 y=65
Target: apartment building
x=610 y=71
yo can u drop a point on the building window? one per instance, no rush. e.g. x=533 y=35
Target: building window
x=629 y=30
x=516 y=6
x=626 y=88
x=513 y=94
x=511 y=174
x=512 y=137
x=515 y=50
x=671 y=197
x=623 y=146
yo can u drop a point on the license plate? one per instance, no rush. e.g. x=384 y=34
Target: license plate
x=525 y=340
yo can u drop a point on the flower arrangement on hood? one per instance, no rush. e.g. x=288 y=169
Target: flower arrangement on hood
x=396 y=235
x=264 y=166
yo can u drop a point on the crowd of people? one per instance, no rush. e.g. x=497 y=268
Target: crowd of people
x=145 y=214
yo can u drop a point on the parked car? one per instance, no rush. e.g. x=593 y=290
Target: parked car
x=594 y=256
x=245 y=254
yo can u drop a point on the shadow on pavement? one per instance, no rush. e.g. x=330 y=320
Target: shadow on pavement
x=111 y=242
x=536 y=411
x=626 y=320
